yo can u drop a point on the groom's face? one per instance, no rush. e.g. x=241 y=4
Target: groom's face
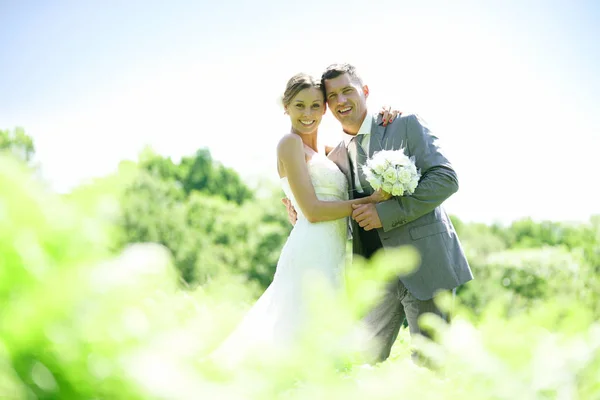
x=347 y=100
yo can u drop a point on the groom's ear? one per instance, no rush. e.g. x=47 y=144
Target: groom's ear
x=324 y=108
x=365 y=89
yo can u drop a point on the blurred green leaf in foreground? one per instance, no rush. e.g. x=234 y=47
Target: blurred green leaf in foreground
x=78 y=321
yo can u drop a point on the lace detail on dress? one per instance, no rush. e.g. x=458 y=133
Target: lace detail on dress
x=327 y=178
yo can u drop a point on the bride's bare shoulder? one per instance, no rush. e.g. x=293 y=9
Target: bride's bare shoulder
x=289 y=150
x=289 y=142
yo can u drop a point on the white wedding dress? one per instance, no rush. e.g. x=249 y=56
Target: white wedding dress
x=312 y=250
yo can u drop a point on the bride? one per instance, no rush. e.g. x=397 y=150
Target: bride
x=316 y=246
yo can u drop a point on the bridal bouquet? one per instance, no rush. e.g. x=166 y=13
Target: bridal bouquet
x=393 y=172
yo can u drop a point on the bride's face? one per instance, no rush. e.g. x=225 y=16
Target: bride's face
x=306 y=110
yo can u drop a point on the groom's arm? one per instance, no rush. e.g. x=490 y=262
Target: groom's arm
x=438 y=179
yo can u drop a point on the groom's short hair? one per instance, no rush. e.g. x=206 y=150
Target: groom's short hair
x=335 y=70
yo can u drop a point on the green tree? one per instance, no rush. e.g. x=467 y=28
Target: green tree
x=198 y=173
x=152 y=211
x=206 y=234
x=159 y=166
x=17 y=142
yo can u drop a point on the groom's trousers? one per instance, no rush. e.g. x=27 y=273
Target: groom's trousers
x=387 y=317
x=395 y=306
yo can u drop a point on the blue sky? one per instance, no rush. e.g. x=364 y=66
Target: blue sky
x=510 y=87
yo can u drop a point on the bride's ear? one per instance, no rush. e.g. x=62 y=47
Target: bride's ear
x=324 y=108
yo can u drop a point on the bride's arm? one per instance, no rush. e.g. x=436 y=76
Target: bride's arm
x=291 y=155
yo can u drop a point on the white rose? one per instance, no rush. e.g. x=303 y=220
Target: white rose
x=390 y=175
x=376 y=183
x=404 y=175
x=379 y=168
x=368 y=164
x=397 y=189
x=412 y=185
x=387 y=187
x=412 y=168
x=399 y=158
x=381 y=155
x=369 y=175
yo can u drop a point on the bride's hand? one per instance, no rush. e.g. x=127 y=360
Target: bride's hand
x=380 y=196
x=389 y=115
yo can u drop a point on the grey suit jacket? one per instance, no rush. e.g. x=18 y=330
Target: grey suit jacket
x=417 y=220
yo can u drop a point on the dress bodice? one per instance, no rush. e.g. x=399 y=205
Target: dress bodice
x=329 y=182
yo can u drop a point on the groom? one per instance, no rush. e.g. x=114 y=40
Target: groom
x=418 y=220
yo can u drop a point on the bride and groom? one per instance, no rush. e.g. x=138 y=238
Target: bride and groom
x=326 y=186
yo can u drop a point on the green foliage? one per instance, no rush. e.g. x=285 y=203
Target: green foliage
x=79 y=322
x=207 y=235
x=18 y=143
x=528 y=263
x=93 y=305
x=198 y=173
x=526 y=278
x=480 y=239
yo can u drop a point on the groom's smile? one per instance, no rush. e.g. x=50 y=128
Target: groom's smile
x=344 y=111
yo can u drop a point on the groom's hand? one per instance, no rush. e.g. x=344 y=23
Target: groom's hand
x=292 y=216
x=366 y=216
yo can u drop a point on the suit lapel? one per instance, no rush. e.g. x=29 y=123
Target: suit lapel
x=376 y=142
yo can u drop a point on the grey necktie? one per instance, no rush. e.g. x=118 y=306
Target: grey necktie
x=357 y=157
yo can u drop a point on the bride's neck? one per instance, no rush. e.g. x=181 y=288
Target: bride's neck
x=309 y=140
